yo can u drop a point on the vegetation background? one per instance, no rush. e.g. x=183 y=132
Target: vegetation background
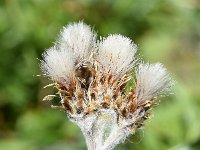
x=167 y=31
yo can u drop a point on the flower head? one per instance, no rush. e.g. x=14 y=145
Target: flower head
x=117 y=54
x=78 y=38
x=92 y=78
x=58 y=64
x=152 y=80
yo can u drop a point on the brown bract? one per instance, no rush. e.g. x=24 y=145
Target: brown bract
x=93 y=89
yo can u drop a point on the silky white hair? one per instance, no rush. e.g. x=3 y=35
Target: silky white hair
x=58 y=64
x=78 y=38
x=116 y=53
x=152 y=80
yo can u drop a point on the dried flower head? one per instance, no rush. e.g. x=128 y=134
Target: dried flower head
x=152 y=81
x=58 y=64
x=116 y=53
x=78 y=38
x=92 y=78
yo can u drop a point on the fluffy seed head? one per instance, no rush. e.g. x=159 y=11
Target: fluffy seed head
x=58 y=64
x=116 y=53
x=152 y=80
x=93 y=89
x=79 y=38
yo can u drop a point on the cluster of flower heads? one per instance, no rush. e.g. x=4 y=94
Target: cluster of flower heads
x=92 y=76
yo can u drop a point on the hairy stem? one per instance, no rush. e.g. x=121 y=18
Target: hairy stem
x=89 y=140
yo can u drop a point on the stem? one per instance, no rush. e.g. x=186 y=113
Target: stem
x=102 y=132
x=116 y=136
x=89 y=140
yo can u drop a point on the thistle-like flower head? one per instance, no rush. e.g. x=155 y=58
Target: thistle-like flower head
x=78 y=38
x=116 y=53
x=152 y=81
x=92 y=78
x=58 y=64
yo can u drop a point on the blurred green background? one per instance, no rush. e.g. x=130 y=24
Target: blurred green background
x=167 y=31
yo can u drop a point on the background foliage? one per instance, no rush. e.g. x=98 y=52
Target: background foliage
x=165 y=30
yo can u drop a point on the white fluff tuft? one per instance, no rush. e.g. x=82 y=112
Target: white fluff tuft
x=152 y=81
x=116 y=53
x=79 y=38
x=58 y=64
